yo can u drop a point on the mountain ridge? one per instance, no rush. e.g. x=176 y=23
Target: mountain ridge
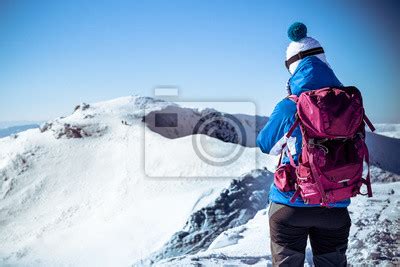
x=77 y=186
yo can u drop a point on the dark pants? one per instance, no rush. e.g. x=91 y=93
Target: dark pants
x=327 y=228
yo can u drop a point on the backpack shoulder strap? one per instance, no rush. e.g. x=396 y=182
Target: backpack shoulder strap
x=295 y=124
x=294 y=98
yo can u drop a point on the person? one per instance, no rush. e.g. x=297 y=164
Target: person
x=291 y=224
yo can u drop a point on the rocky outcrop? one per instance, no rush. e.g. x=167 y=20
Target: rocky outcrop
x=68 y=130
x=82 y=107
x=235 y=206
x=173 y=122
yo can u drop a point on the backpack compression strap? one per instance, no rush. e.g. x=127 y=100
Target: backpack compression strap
x=369 y=123
x=285 y=149
x=367 y=180
x=303 y=54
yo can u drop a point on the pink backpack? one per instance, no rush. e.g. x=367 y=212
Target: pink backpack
x=333 y=148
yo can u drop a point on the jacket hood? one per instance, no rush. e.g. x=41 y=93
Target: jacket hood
x=311 y=74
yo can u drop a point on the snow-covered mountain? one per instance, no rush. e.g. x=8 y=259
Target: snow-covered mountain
x=16 y=129
x=76 y=193
x=387 y=129
x=374 y=237
x=8 y=124
x=384 y=152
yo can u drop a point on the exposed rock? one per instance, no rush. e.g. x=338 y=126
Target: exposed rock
x=82 y=107
x=45 y=126
x=67 y=130
x=18 y=165
x=174 y=122
x=71 y=131
x=235 y=206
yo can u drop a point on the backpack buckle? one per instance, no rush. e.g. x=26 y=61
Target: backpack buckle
x=313 y=144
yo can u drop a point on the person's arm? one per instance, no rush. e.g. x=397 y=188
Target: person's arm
x=274 y=130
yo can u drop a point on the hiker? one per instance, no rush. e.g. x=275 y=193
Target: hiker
x=292 y=219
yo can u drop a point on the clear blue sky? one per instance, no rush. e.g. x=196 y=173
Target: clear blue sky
x=56 y=54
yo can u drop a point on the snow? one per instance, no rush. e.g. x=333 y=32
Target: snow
x=232 y=107
x=243 y=236
x=158 y=152
x=76 y=193
x=9 y=124
x=383 y=152
x=374 y=236
x=389 y=130
x=13 y=130
x=87 y=201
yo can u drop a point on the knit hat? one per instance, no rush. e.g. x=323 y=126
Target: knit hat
x=297 y=32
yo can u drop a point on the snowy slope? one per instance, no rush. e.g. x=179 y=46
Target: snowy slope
x=16 y=129
x=374 y=236
x=75 y=192
x=190 y=118
x=384 y=152
x=234 y=206
x=389 y=130
x=9 y=124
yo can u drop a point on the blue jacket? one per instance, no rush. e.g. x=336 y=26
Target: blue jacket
x=310 y=74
